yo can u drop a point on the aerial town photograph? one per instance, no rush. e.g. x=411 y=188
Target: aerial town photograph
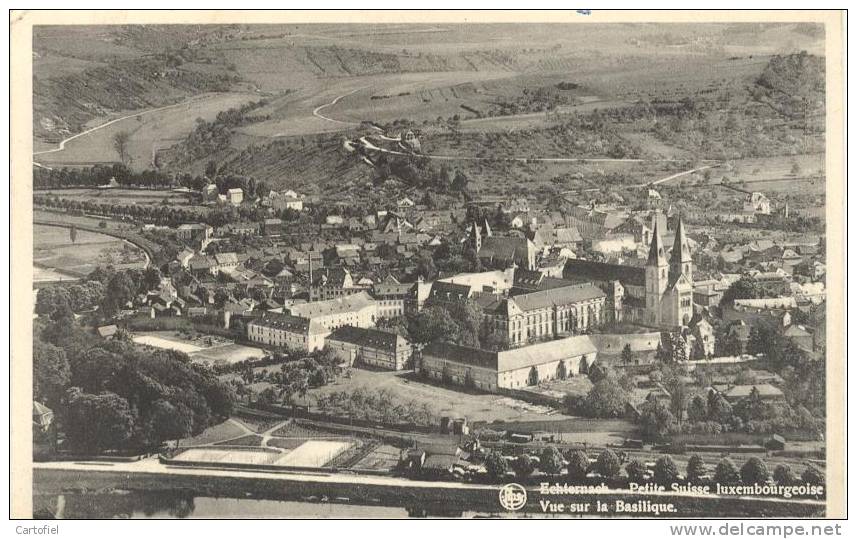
x=381 y=270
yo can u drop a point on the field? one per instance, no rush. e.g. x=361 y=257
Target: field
x=203 y=349
x=150 y=130
x=446 y=402
x=54 y=250
x=309 y=454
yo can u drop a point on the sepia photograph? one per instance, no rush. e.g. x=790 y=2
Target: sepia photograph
x=417 y=264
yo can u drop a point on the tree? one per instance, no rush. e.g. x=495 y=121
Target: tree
x=51 y=373
x=719 y=409
x=655 y=419
x=606 y=399
x=550 y=461
x=72 y=233
x=784 y=475
x=725 y=472
x=425 y=267
x=168 y=421
x=666 y=471
x=695 y=469
x=608 y=465
x=697 y=410
x=459 y=182
x=627 y=355
x=97 y=422
x=812 y=475
x=754 y=471
x=120 y=144
x=578 y=465
x=752 y=407
x=523 y=466
x=496 y=466
x=636 y=471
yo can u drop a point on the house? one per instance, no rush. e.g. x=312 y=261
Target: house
x=224 y=262
x=210 y=193
x=509 y=369
x=194 y=232
x=332 y=283
x=107 y=332
x=799 y=335
x=502 y=252
x=767 y=392
x=235 y=196
x=272 y=226
x=287 y=331
x=757 y=203
x=358 y=310
x=373 y=347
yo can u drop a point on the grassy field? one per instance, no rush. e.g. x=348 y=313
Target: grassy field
x=150 y=130
x=445 y=401
x=53 y=249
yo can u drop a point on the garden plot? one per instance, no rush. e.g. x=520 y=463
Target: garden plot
x=221 y=456
x=160 y=342
x=313 y=453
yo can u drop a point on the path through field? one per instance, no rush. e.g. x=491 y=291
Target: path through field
x=63 y=142
x=317 y=111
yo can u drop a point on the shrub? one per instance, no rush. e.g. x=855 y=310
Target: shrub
x=665 y=471
x=636 y=471
x=726 y=473
x=754 y=471
x=812 y=475
x=607 y=465
x=695 y=469
x=578 y=465
x=523 y=466
x=550 y=461
x=496 y=466
x=784 y=475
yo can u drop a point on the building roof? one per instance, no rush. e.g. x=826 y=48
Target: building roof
x=292 y=324
x=350 y=303
x=765 y=390
x=565 y=295
x=226 y=258
x=385 y=289
x=516 y=358
x=449 y=291
x=601 y=271
x=506 y=248
x=108 y=331
x=369 y=338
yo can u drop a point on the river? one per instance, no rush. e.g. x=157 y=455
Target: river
x=177 y=504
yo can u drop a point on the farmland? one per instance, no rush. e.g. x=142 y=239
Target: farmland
x=150 y=130
x=53 y=249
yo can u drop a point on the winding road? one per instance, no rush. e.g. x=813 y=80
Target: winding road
x=367 y=145
x=317 y=111
x=65 y=141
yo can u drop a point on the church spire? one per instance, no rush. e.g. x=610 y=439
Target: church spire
x=680 y=260
x=657 y=256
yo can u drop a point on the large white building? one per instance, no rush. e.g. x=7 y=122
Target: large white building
x=358 y=310
x=286 y=331
x=508 y=369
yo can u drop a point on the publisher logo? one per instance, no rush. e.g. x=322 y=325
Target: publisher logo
x=513 y=496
